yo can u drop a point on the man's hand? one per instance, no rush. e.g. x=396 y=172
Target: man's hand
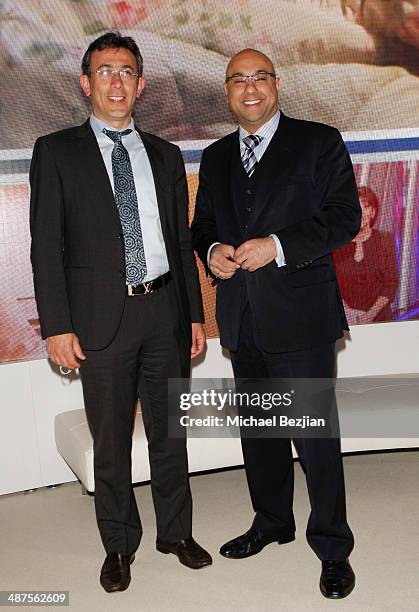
x=222 y=262
x=256 y=253
x=198 y=339
x=64 y=350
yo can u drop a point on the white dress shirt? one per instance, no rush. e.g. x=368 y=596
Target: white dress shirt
x=154 y=247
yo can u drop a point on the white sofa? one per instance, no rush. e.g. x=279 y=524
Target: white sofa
x=368 y=404
x=75 y=445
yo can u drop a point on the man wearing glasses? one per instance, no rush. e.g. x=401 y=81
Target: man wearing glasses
x=118 y=295
x=275 y=198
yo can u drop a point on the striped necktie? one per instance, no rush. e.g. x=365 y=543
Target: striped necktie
x=127 y=204
x=249 y=158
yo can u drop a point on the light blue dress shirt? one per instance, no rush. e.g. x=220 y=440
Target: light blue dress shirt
x=154 y=247
x=266 y=132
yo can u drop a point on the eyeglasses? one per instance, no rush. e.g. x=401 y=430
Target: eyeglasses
x=125 y=74
x=241 y=80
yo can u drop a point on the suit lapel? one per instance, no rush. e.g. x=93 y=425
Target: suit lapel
x=274 y=165
x=233 y=167
x=96 y=171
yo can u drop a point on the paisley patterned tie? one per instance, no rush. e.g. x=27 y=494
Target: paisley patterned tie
x=249 y=157
x=127 y=204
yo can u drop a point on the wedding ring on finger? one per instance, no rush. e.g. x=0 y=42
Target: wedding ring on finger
x=64 y=371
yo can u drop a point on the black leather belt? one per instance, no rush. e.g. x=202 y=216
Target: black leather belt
x=150 y=286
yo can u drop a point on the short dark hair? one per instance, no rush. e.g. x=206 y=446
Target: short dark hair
x=112 y=40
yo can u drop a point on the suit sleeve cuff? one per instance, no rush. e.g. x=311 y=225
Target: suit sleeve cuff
x=209 y=252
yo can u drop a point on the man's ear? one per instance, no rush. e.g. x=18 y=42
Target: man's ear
x=85 y=84
x=140 y=86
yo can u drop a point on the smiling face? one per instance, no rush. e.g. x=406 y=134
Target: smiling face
x=113 y=99
x=252 y=104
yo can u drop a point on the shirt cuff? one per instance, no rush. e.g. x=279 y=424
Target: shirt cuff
x=209 y=252
x=280 y=257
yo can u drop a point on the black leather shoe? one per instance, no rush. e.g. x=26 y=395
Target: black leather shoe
x=189 y=552
x=337 y=579
x=115 y=574
x=251 y=543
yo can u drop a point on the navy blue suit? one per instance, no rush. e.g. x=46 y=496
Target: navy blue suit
x=282 y=322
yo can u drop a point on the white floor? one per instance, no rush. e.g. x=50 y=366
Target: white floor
x=49 y=541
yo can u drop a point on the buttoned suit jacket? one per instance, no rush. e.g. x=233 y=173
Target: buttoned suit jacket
x=305 y=193
x=77 y=250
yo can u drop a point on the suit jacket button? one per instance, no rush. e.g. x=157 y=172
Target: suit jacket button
x=248 y=208
x=249 y=191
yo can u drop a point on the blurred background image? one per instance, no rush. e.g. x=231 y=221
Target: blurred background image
x=353 y=64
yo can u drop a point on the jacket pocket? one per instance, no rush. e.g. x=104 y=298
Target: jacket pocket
x=78 y=274
x=312 y=276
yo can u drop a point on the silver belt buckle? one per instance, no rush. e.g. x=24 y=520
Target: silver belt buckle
x=148 y=288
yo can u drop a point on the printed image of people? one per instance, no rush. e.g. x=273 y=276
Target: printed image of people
x=349 y=63
x=353 y=64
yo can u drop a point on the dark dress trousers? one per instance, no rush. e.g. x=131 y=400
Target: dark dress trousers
x=132 y=344
x=283 y=321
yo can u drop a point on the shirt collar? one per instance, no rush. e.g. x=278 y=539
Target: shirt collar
x=266 y=129
x=98 y=125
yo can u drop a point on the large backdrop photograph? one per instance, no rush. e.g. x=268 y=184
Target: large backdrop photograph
x=353 y=64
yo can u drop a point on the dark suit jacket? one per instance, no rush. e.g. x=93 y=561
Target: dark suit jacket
x=305 y=194
x=77 y=243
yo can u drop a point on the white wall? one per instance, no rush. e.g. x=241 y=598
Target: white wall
x=379 y=348
x=32 y=393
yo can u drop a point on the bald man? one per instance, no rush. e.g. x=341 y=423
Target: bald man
x=275 y=198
